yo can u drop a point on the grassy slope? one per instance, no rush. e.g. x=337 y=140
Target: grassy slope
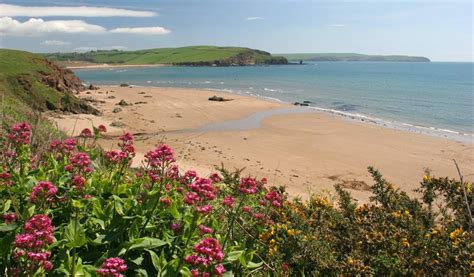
x=182 y=55
x=23 y=93
x=350 y=57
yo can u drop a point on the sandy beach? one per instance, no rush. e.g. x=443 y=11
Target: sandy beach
x=306 y=152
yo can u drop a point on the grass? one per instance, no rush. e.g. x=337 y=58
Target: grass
x=182 y=55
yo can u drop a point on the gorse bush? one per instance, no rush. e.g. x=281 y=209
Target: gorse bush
x=79 y=211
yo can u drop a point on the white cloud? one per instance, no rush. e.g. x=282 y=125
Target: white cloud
x=55 y=42
x=37 y=26
x=84 y=11
x=337 y=25
x=250 y=18
x=142 y=30
x=87 y=49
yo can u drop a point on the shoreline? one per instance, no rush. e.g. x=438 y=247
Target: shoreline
x=112 y=66
x=308 y=151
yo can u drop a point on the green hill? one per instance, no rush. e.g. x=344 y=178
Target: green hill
x=192 y=55
x=352 y=57
x=31 y=84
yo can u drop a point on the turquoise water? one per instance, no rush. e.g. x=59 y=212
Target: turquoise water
x=433 y=96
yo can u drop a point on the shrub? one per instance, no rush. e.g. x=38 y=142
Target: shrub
x=77 y=210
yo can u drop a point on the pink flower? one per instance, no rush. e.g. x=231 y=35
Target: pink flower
x=188 y=177
x=20 y=134
x=176 y=227
x=203 y=187
x=44 y=190
x=80 y=160
x=86 y=133
x=228 y=201
x=78 y=181
x=68 y=145
x=37 y=235
x=112 y=267
x=191 y=198
x=166 y=201
x=247 y=185
x=68 y=168
x=126 y=144
x=274 y=198
x=246 y=209
x=206 y=209
x=115 y=156
x=206 y=252
x=215 y=177
x=160 y=157
x=102 y=129
x=205 y=229
x=219 y=270
x=87 y=196
x=9 y=218
x=258 y=216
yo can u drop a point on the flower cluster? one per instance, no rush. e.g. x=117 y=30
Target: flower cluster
x=102 y=129
x=43 y=191
x=159 y=157
x=206 y=252
x=20 y=134
x=66 y=146
x=9 y=218
x=86 y=133
x=112 y=267
x=248 y=185
x=199 y=192
x=274 y=198
x=31 y=244
x=127 y=150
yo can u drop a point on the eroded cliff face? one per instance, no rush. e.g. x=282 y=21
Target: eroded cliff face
x=50 y=89
x=61 y=79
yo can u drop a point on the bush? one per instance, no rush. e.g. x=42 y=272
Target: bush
x=77 y=210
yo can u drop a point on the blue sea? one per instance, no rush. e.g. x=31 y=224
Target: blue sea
x=435 y=98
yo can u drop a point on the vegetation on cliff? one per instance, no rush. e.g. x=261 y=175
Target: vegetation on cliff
x=192 y=55
x=352 y=57
x=77 y=211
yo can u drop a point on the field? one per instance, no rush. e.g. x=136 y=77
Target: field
x=192 y=55
x=351 y=57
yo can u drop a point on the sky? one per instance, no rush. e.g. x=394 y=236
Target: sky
x=439 y=30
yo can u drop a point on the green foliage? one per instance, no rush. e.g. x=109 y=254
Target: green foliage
x=148 y=217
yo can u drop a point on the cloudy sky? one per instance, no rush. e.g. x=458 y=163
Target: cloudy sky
x=440 y=30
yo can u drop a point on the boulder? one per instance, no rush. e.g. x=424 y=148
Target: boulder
x=219 y=99
x=117 y=110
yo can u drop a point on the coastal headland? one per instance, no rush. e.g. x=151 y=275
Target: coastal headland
x=306 y=151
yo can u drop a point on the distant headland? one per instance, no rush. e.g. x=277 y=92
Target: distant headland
x=186 y=56
x=352 y=57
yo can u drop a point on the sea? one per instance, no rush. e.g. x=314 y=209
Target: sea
x=435 y=98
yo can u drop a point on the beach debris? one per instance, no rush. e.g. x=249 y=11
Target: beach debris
x=111 y=97
x=142 y=92
x=117 y=110
x=117 y=124
x=219 y=99
x=124 y=85
x=301 y=104
x=123 y=103
x=140 y=102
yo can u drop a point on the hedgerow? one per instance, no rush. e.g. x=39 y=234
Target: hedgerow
x=79 y=211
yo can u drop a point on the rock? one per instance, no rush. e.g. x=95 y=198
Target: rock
x=301 y=104
x=148 y=96
x=140 y=102
x=307 y=102
x=142 y=92
x=88 y=92
x=111 y=97
x=124 y=85
x=92 y=87
x=219 y=99
x=117 y=124
x=123 y=103
x=117 y=110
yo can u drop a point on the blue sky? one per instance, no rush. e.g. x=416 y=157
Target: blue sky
x=440 y=30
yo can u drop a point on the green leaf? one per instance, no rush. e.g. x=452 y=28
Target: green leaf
x=155 y=260
x=228 y=274
x=8 y=227
x=75 y=234
x=6 y=206
x=234 y=255
x=145 y=243
x=252 y=265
